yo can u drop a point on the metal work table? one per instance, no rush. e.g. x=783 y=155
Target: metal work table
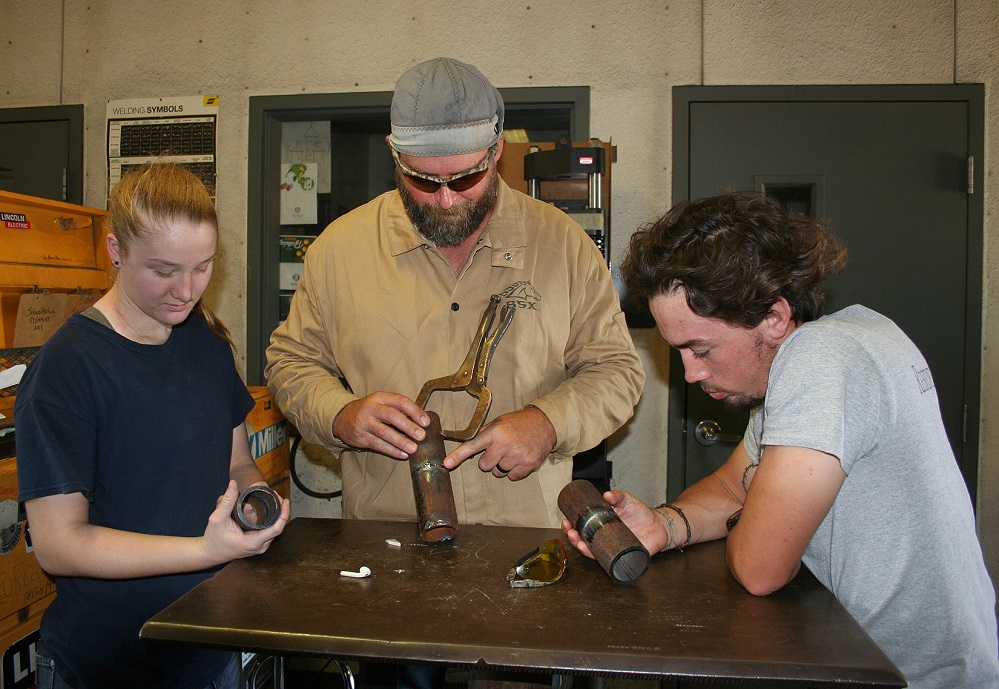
x=451 y=603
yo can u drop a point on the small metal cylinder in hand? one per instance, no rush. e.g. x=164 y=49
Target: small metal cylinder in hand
x=265 y=509
x=612 y=543
x=435 y=511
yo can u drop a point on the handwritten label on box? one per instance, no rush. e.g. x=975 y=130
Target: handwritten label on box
x=38 y=317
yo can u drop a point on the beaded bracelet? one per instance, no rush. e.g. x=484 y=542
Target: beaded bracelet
x=686 y=523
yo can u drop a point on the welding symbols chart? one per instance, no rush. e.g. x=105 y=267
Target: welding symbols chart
x=180 y=130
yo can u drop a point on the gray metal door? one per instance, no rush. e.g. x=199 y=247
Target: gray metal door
x=41 y=152
x=890 y=167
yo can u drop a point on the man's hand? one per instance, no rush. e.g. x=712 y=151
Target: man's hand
x=647 y=524
x=512 y=445
x=383 y=422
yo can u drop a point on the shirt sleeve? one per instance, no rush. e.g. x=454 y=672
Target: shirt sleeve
x=604 y=373
x=56 y=431
x=301 y=369
x=53 y=447
x=824 y=394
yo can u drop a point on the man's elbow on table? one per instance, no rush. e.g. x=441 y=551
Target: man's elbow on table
x=760 y=576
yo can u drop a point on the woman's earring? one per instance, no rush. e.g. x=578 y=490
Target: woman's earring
x=116 y=263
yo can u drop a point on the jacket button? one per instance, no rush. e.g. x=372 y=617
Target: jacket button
x=454 y=306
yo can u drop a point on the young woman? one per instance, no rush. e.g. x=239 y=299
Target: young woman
x=129 y=429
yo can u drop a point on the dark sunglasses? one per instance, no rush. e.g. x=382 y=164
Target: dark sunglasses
x=540 y=567
x=430 y=184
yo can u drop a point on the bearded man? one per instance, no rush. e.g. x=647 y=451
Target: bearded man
x=391 y=296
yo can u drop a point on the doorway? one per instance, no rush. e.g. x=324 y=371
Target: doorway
x=41 y=152
x=892 y=168
x=359 y=123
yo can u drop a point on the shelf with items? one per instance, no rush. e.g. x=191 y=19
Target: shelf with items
x=578 y=183
x=46 y=248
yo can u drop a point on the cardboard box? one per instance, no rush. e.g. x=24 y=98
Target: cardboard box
x=267 y=430
x=22 y=581
x=281 y=485
x=19 y=643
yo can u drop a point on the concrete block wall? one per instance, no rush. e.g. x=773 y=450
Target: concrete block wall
x=630 y=53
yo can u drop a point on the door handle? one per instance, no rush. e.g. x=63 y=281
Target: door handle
x=708 y=433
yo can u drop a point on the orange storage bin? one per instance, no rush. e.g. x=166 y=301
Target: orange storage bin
x=268 y=435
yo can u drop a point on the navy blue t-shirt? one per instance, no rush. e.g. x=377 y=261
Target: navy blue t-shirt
x=145 y=433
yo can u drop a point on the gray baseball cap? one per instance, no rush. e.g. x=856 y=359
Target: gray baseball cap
x=444 y=107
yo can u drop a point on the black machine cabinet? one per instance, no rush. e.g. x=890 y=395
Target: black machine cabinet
x=573 y=164
x=572 y=177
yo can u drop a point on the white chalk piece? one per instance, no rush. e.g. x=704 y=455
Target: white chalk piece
x=393 y=542
x=365 y=572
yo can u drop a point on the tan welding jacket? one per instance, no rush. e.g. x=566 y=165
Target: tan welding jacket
x=377 y=308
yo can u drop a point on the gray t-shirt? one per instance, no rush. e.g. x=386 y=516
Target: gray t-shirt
x=898 y=547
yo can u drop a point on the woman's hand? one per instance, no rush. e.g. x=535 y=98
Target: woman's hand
x=224 y=541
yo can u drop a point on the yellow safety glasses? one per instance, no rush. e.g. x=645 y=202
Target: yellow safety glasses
x=540 y=567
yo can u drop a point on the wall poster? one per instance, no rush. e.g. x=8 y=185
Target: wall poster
x=180 y=130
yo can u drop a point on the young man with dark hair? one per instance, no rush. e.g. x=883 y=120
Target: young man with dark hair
x=845 y=465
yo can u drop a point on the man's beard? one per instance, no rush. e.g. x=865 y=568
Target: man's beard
x=745 y=402
x=740 y=403
x=451 y=226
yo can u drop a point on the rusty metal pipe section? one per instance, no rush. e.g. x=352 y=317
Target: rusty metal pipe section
x=265 y=507
x=436 y=514
x=615 y=547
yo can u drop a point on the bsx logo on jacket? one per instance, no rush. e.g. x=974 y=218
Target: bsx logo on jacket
x=522 y=295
